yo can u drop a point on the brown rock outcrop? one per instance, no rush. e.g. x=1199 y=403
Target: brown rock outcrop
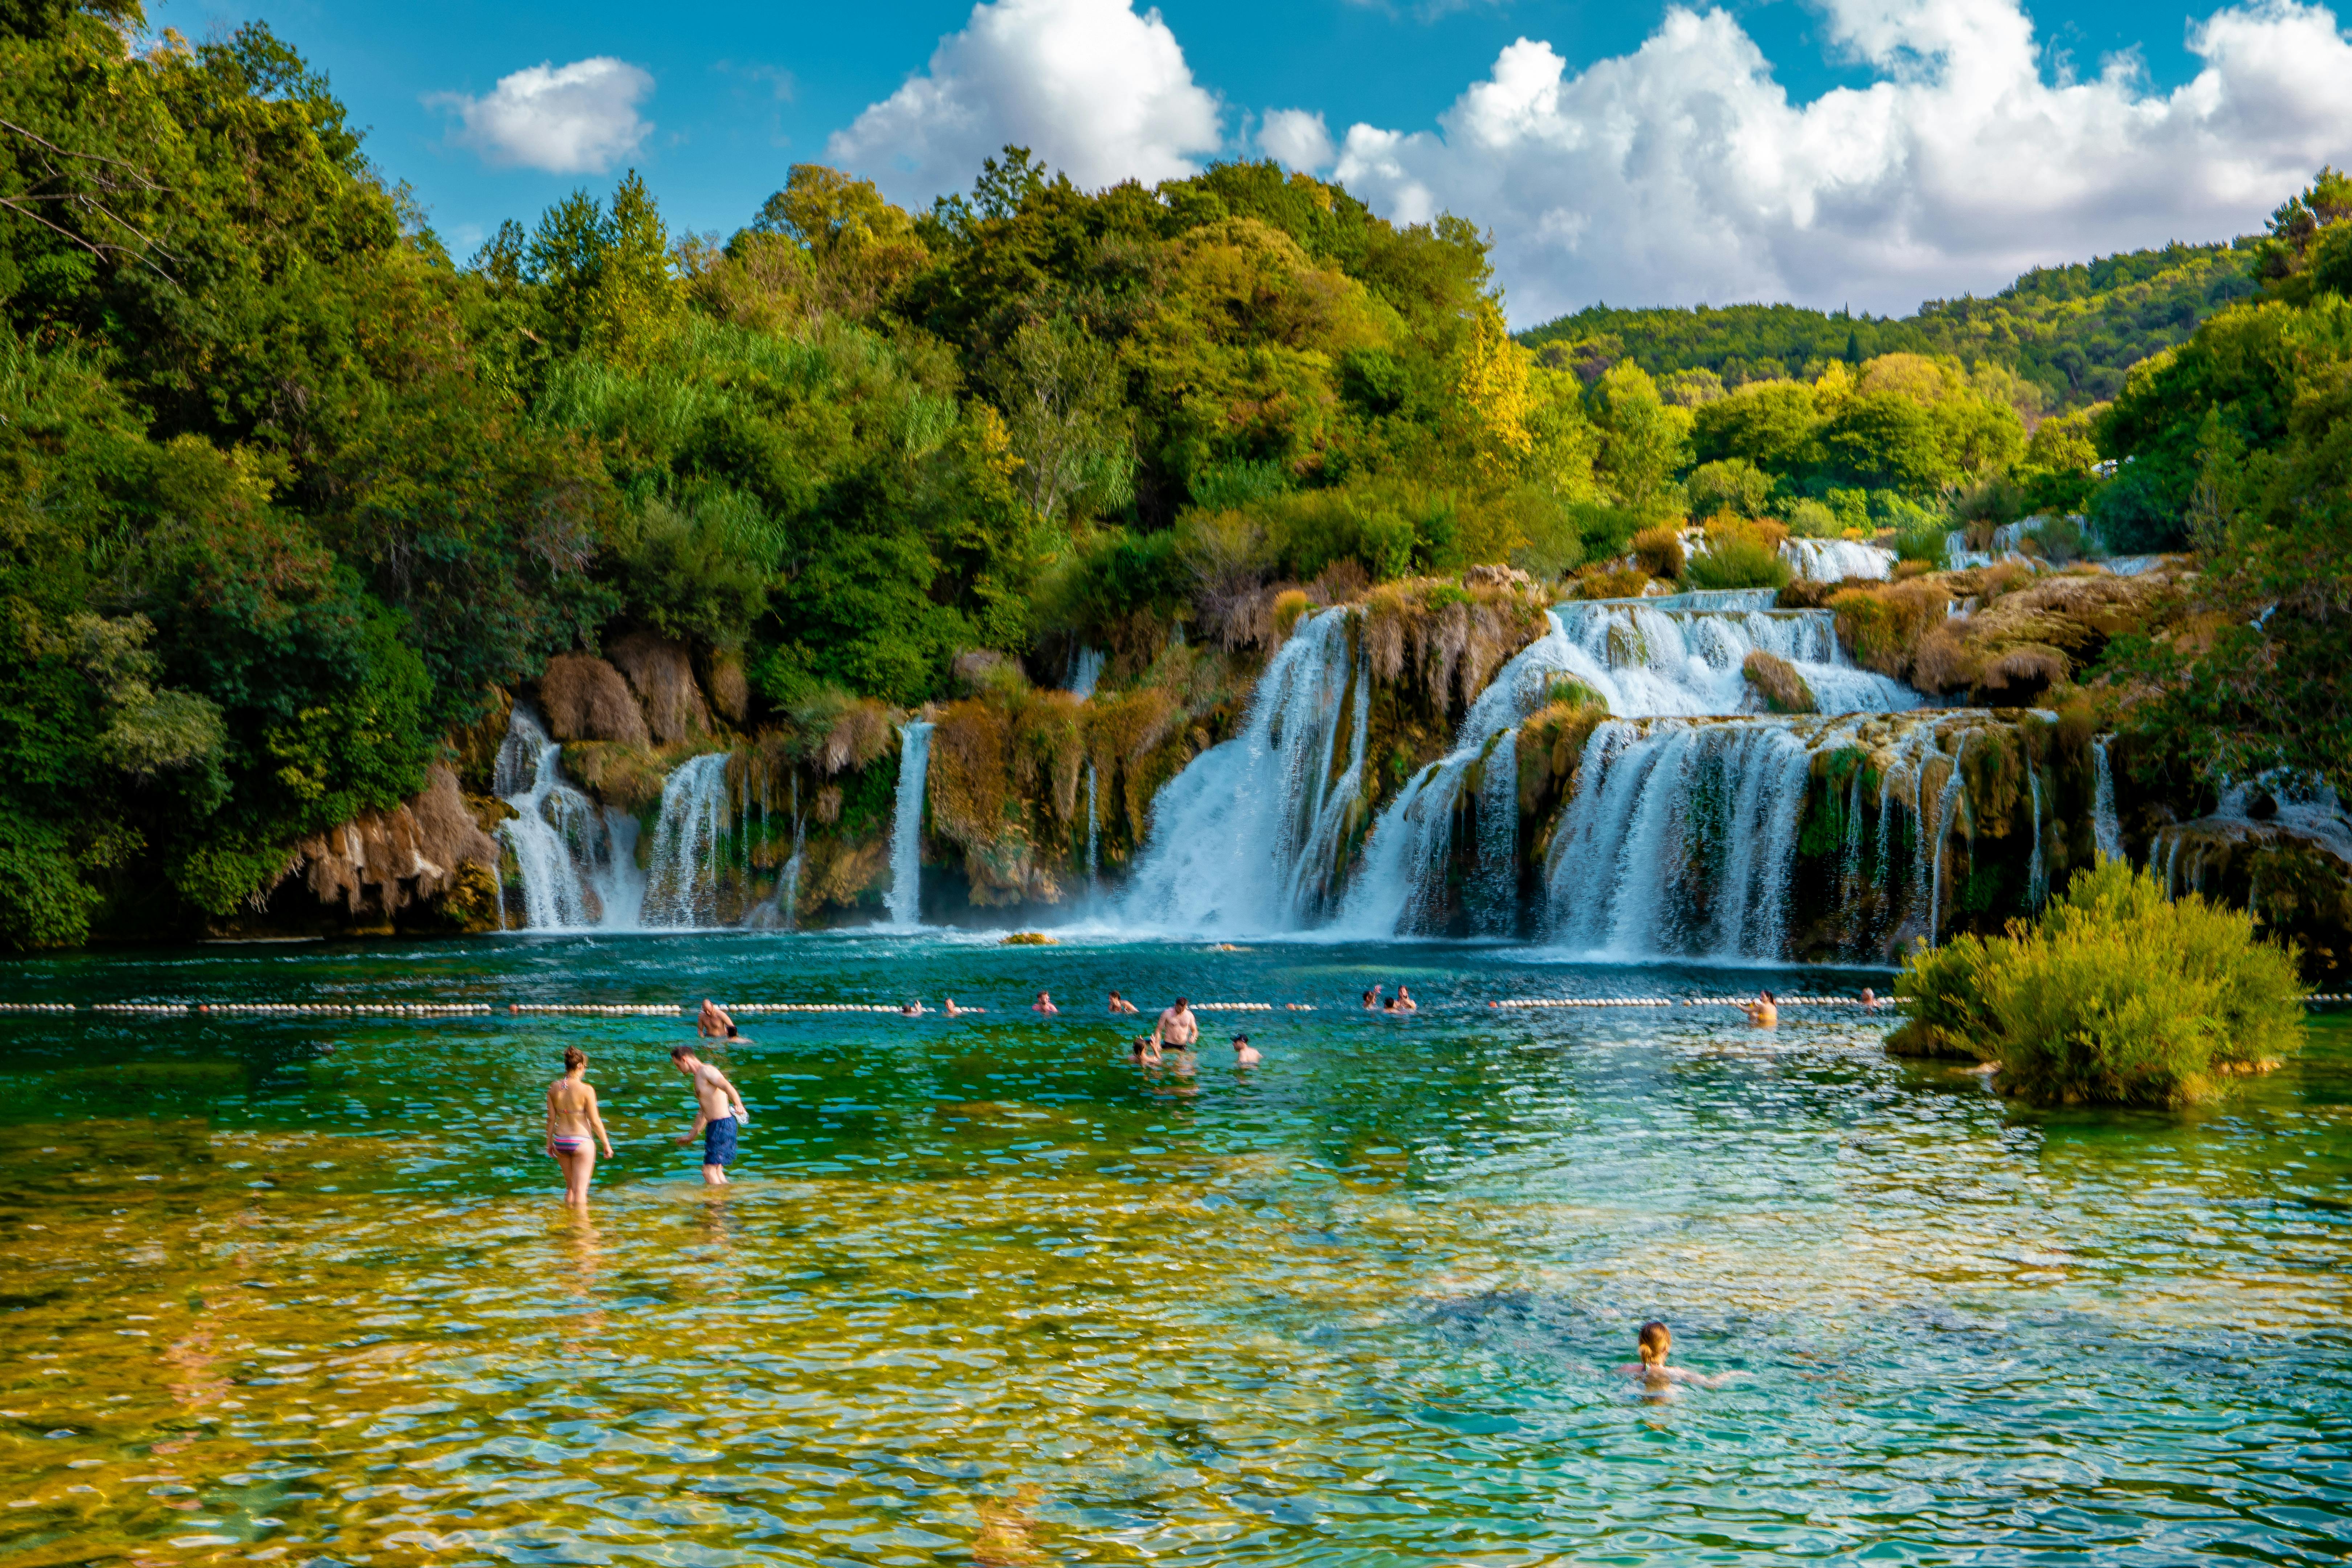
x=584 y=699
x=387 y=860
x=662 y=675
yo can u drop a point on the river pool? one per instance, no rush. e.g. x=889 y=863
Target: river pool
x=297 y=1290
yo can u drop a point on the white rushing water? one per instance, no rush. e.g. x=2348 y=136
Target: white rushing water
x=905 y=899
x=1245 y=840
x=2105 y=825
x=1833 y=560
x=1086 y=670
x=682 y=876
x=1644 y=658
x=1656 y=801
x=576 y=865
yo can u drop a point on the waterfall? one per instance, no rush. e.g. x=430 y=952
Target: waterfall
x=2105 y=825
x=2037 y=875
x=1094 y=836
x=905 y=900
x=682 y=881
x=1246 y=838
x=1658 y=658
x=1495 y=892
x=576 y=866
x=1086 y=669
x=1833 y=560
x=1656 y=800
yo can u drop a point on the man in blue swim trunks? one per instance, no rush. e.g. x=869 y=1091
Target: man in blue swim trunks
x=717 y=1113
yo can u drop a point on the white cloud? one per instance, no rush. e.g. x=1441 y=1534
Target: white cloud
x=1296 y=139
x=1090 y=87
x=567 y=119
x=1682 y=172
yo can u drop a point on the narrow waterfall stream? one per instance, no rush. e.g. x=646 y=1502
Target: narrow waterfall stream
x=682 y=879
x=905 y=900
x=2108 y=827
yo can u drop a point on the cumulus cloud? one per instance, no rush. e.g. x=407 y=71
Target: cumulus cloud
x=1682 y=172
x=1089 y=86
x=1295 y=139
x=578 y=118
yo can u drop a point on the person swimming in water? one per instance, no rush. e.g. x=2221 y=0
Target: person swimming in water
x=713 y=1024
x=1178 y=1026
x=1655 y=1343
x=1044 y=1003
x=573 y=1121
x=1404 y=1002
x=912 y=1010
x=1120 y=1005
x=1763 y=1013
x=1373 y=1000
x=1869 y=997
x=1245 y=1054
x=1144 y=1051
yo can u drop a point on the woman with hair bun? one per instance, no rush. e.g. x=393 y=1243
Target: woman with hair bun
x=571 y=1123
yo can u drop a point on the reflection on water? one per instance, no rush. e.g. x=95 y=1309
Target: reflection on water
x=983 y=1292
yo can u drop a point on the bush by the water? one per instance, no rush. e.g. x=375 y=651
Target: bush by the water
x=2115 y=995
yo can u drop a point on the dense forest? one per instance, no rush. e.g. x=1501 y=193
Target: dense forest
x=2059 y=338
x=291 y=498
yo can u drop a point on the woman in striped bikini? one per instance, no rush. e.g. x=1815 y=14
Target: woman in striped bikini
x=571 y=1123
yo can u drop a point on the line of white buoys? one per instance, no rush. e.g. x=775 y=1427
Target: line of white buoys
x=1689 y=1002
x=36 y=1007
x=599 y=1009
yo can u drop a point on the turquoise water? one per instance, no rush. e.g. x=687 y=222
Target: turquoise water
x=299 y=1290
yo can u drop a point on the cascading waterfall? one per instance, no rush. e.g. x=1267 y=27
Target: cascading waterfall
x=2105 y=824
x=1658 y=658
x=2037 y=873
x=1645 y=658
x=1833 y=560
x=1246 y=838
x=682 y=878
x=576 y=866
x=1656 y=798
x=1086 y=670
x=905 y=900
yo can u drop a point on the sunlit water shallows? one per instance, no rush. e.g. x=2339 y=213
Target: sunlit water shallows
x=297 y=1291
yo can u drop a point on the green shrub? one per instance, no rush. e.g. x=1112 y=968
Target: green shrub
x=1737 y=560
x=1921 y=539
x=2115 y=997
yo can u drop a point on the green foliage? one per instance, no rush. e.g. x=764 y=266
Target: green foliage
x=2070 y=335
x=1736 y=558
x=2115 y=995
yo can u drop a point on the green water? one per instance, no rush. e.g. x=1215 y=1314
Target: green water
x=297 y=1291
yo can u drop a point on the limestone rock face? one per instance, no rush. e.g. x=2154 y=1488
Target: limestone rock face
x=584 y=699
x=662 y=675
x=381 y=863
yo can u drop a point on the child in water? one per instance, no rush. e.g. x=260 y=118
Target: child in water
x=1245 y=1054
x=1655 y=1343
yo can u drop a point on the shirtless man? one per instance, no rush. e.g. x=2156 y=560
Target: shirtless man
x=1869 y=997
x=713 y=1024
x=1178 y=1027
x=572 y=1121
x=719 y=1114
x=1119 y=1004
x=1656 y=1343
x=1245 y=1054
x=1373 y=1000
x=1044 y=1003
x=1763 y=1013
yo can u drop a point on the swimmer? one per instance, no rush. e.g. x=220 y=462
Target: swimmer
x=1178 y=1027
x=912 y=1010
x=1763 y=1013
x=1245 y=1054
x=719 y=1114
x=1144 y=1051
x=1119 y=1004
x=1404 y=1002
x=1373 y=1000
x=951 y=1010
x=572 y=1121
x=1869 y=997
x=1655 y=1343
x=1045 y=1004
x=712 y=1023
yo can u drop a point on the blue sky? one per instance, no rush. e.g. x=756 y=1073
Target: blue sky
x=1871 y=151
